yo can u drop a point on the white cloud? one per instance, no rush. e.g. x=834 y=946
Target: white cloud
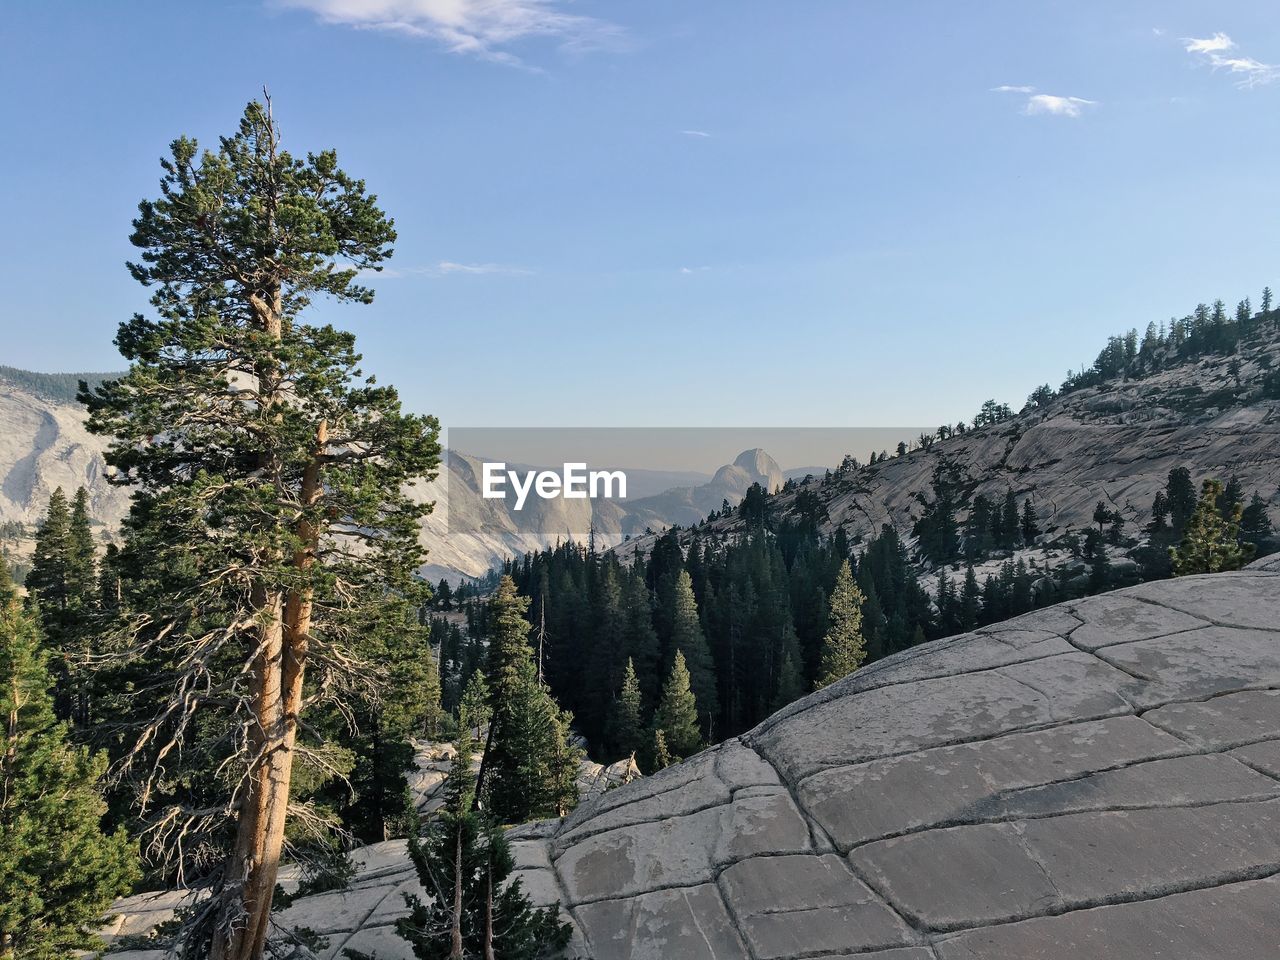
x=446 y=267
x=1247 y=71
x=1044 y=103
x=1215 y=44
x=1251 y=72
x=480 y=28
x=695 y=133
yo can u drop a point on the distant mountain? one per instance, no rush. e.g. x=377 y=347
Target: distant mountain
x=468 y=535
x=44 y=445
x=689 y=505
x=650 y=483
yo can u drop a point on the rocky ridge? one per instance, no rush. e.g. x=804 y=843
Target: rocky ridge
x=1114 y=443
x=1094 y=780
x=44 y=445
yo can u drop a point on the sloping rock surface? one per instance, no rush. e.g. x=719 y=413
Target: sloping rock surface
x=1093 y=781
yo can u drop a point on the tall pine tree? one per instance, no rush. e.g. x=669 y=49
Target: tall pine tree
x=473 y=709
x=1030 y=522
x=1180 y=495
x=843 y=648
x=662 y=757
x=471 y=910
x=1255 y=523
x=626 y=725
x=47 y=579
x=790 y=681
x=270 y=519
x=63 y=584
x=687 y=639
x=676 y=718
x=1210 y=542
x=380 y=733
x=970 y=600
x=529 y=766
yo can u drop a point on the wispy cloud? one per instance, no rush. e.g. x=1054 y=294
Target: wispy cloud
x=1214 y=51
x=1252 y=72
x=1215 y=44
x=482 y=28
x=1046 y=103
x=696 y=133
x=447 y=268
x=689 y=271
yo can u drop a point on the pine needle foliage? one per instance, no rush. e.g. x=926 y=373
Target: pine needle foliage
x=843 y=648
x=59 y=871
x=464 y=864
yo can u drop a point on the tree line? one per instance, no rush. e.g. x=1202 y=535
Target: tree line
x=698 y=641
x=62 y=387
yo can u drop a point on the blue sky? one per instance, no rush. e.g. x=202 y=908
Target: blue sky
x=718 y=213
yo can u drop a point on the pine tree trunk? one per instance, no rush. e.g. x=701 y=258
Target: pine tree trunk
x=277 y=697
x=488 y=911
x=251 y=871
x=379 y=788
x=10 y=741
x=455 y=950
